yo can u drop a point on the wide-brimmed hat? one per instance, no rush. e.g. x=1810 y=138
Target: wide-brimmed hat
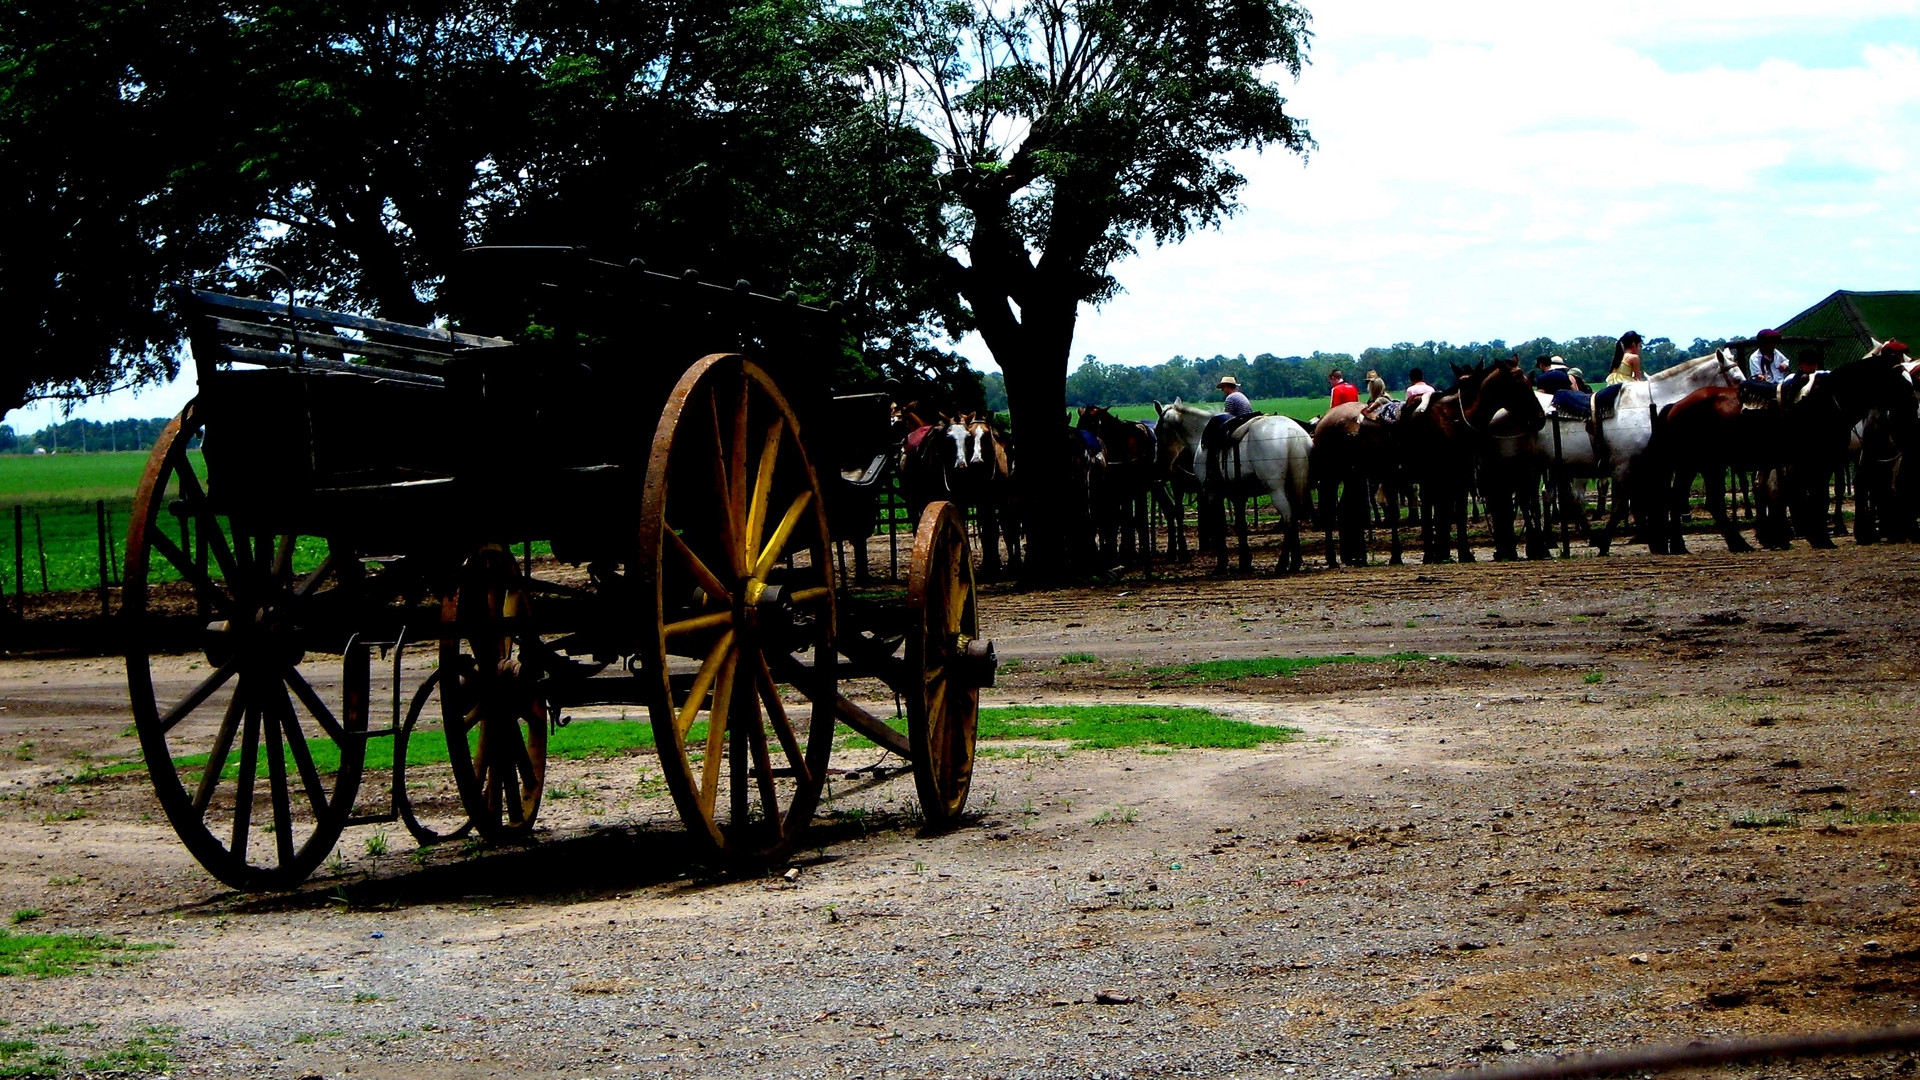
x=1228 y=380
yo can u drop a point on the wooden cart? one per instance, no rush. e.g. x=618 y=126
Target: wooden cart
x=343 y=486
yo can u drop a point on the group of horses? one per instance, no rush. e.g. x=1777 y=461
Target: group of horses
x=1522 y=451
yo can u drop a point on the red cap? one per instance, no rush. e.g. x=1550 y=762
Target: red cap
x=1768 y=335
x=1892 y=347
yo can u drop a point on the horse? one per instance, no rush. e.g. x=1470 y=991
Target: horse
x=1442 y=438
x=1566 y=446
x=1707 y=433
x=932 y=457
x=1821 y=409
x=1352 y=452
x=1131 y=483
x=1885 y=499
x=1266 y=455
x=984 y=481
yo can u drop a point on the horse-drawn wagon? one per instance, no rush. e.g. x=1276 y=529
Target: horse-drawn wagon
x=343 y=486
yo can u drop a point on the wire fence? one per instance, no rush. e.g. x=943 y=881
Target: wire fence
x=63 y=547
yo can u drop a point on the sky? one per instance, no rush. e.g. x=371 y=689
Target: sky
x=1514 y=170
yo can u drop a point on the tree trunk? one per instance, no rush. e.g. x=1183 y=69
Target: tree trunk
x=1050 y=511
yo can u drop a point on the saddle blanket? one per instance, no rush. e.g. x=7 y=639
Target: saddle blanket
x=1606 y=400
x=1573 y=403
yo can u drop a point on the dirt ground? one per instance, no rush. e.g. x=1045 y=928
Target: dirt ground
x=1632 y=800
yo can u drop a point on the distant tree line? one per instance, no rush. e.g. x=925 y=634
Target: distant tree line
x=77 y=436
x=1267 y=375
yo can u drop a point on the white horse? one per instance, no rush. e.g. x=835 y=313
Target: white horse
x=1565 y=446
x=1267 y=455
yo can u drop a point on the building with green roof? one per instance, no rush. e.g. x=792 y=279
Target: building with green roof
x=1852 y=321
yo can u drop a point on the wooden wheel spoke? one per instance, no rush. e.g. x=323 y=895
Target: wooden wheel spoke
x=710 y=621
x=729 y=536
x=717 y=720
x=243 y=783
x=222 y=746
x=211 y=532
x=321 y=714
x=283 y=556
x=279 y=796
x=777 y=716
x=703 y=681
x=762 y=761
x=781 y=532
x=706 y=578
x=763 y=482
x=312 y=581
x=737 y=468
x=198 y=695
x=191 y=571
x=302 y=756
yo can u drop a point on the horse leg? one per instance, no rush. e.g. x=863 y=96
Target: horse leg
x=1533 y=514
x=1715 y=477
x=1499 y=503
x=1354 y=514
x=1393 y=519
x=1324 y=497
x=1240 y=531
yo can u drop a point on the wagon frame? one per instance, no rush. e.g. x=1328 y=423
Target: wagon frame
x=343 y=485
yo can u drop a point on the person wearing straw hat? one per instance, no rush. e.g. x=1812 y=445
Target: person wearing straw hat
x=1237 y=403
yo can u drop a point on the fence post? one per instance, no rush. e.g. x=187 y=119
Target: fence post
x=20 y=558
x=113 y=548
x=100 y=538
x=40 y=544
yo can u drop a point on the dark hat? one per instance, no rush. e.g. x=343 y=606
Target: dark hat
x=1767 y=335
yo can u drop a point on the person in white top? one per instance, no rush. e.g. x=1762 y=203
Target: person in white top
x=1767 y=363
x=1419 y=385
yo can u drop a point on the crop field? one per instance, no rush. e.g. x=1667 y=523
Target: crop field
x=57 y=497
x=1300 y=408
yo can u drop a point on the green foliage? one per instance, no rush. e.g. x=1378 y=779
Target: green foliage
x=1271 y=666
x=144 y=1054
x=1108 y=727
x=22 y=1059
x=47 y=955
x=1079 y=658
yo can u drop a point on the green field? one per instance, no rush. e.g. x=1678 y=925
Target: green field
x=39 y=479
x=1300 y=408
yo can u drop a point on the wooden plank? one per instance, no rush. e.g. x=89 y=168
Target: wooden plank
x=243 y=354
x=407 y=359
x=871 y=726
x=340 y=318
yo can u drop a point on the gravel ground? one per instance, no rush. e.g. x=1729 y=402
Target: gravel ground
x=1631 y=800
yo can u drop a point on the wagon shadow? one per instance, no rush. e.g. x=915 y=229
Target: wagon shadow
x=595 y=865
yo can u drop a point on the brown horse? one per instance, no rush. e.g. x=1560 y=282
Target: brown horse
x=985 y=482
x=1443 y=436
x=1131 y=484
x=1352 y=453
x=1705 y=434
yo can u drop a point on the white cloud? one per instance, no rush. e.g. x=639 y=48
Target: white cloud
x=1503 y=171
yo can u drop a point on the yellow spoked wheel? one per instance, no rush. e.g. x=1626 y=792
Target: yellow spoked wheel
x=943 y=647
x=734 y=561
x=491 y=697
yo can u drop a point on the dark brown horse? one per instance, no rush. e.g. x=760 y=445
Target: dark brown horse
x=1441 y=439
x=1707 y=433
x=1131 y=483
x=1353 y=453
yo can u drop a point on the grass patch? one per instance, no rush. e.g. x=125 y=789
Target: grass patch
x=579 y=740
x=22 y=1059
x=46 y=955
x=146 y=1052
x=1111 y=727
x=1079 y=658
x=1592 y=677
x=1269 y=667
x=1300 y=408
x=1876 y=817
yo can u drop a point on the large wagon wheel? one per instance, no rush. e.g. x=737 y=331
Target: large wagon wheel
x=491 y=695
x=283 y=679
x=734 y=564
x=945 y=662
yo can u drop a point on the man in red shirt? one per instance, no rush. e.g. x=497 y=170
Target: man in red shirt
x=1343 y=391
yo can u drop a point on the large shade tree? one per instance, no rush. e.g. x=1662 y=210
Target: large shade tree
x=363 y=146
x=1069 y=131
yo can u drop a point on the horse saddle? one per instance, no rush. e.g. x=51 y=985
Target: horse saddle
x=1606 y=401
x=1759 y=394
x=916 y=436
x=1222 y=430
x=1572 y=403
